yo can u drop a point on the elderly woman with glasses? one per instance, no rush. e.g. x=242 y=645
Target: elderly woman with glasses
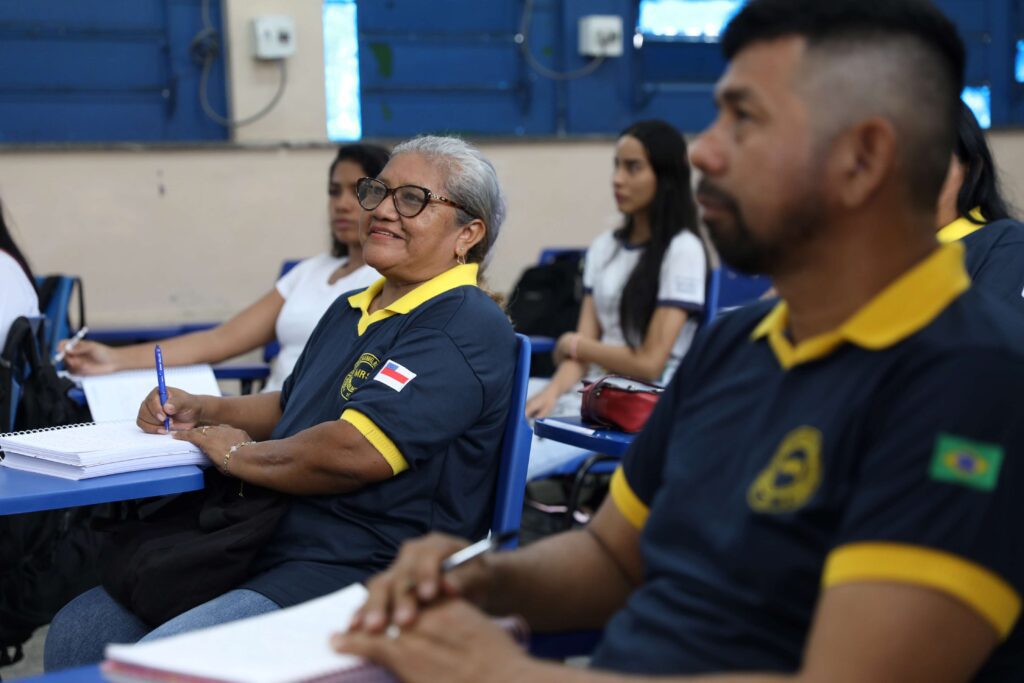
x=389 y=426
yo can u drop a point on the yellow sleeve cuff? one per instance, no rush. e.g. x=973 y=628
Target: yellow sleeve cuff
x=628 y=503
x=978 y=587
x=384 y=445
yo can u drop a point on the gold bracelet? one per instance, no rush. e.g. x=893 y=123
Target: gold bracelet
x=227 y=456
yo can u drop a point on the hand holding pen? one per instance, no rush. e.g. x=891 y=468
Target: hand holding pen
x=182 y=409
x=71 y=343
x=426 y=570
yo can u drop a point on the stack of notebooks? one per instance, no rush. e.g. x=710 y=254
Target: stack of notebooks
x=96 y=449
x=113 y=444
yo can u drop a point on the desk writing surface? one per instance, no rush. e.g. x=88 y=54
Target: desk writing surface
x=542 y=344
x=573 y=431
x=29 y=492
x=251 y=371
x=119 y=336
x=82 y=674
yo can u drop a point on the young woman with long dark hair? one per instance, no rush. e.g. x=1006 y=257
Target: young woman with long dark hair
x=17 y=286
x=972 y=209
x=645 y=281
x=289 y=311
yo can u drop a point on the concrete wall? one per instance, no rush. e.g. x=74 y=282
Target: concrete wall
x=196 y=234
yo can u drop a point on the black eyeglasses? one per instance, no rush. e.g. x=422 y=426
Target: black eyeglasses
x=410 y=200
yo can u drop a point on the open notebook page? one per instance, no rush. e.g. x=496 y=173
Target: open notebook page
x=286 y=646
x=117 y=396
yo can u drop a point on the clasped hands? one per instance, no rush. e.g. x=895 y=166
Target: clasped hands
x=422 y=625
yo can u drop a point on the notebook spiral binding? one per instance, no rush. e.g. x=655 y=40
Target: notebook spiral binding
x=40 y=430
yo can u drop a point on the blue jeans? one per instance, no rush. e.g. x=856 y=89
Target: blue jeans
x=87 y=624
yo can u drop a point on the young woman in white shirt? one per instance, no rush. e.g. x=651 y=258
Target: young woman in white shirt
x=644 y=282
x=289 y=311
x=17 y=286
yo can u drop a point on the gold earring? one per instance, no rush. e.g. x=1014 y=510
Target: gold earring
x=460 y=258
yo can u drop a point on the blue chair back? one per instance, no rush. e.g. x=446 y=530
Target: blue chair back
x=56 y=312
x=515 y=451
x=273 y=348
x=551 y=253
x=729 y=289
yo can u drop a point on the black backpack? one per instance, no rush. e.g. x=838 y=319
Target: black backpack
x=44 y=400
x=546 y=302
x=49 y=557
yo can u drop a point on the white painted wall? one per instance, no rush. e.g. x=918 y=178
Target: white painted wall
x=197 y=234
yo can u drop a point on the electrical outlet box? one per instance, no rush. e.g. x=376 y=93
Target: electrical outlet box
x=601 y=35
x=273 y=37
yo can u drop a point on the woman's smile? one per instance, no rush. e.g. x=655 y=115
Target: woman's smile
x=379 y=232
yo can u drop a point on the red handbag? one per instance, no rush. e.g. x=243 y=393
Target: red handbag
x=619 y=402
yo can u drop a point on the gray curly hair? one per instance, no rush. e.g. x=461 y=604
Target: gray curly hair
x=470 y=180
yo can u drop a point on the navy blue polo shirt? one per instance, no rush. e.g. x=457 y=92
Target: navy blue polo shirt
x=890 y=449
x=427 y=381
x=994 y=255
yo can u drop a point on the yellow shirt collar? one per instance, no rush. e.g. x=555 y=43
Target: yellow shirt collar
x=459 y=276
x=905 y=306
x=961 y=227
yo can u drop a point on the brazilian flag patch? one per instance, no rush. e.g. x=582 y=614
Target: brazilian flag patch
x=962 y=461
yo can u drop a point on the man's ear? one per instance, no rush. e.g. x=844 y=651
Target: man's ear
x=861 y=161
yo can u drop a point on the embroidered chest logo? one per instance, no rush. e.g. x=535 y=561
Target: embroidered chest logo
x=361 y=371
x=792 y=476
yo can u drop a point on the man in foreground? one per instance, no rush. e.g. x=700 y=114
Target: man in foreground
x=830 y=488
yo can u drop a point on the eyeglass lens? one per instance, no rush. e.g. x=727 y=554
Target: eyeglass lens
x=409 y=200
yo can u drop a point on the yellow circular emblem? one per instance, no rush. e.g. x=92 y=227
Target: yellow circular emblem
x=366 y=364
x=792 y=476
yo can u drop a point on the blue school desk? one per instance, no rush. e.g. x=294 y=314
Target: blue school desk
x=572 y=431
x=29 y=492
x=137 y=335
x=82 y=674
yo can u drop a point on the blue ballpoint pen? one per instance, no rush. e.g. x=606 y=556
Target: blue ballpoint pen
x=161 y=383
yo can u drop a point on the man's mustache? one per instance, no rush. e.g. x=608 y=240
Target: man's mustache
x=707 y=189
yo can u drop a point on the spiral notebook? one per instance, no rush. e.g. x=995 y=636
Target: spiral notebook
x=95 y=449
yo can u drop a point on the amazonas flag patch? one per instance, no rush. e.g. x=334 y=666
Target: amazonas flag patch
x=394 y=375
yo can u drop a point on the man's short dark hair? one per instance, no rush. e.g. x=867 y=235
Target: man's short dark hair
x=920 y=70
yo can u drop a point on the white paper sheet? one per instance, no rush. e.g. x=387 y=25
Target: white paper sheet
x=117 y=396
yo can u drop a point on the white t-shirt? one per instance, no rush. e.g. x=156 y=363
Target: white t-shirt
x=17 y=295
x=610 y=262
x=307 y=296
